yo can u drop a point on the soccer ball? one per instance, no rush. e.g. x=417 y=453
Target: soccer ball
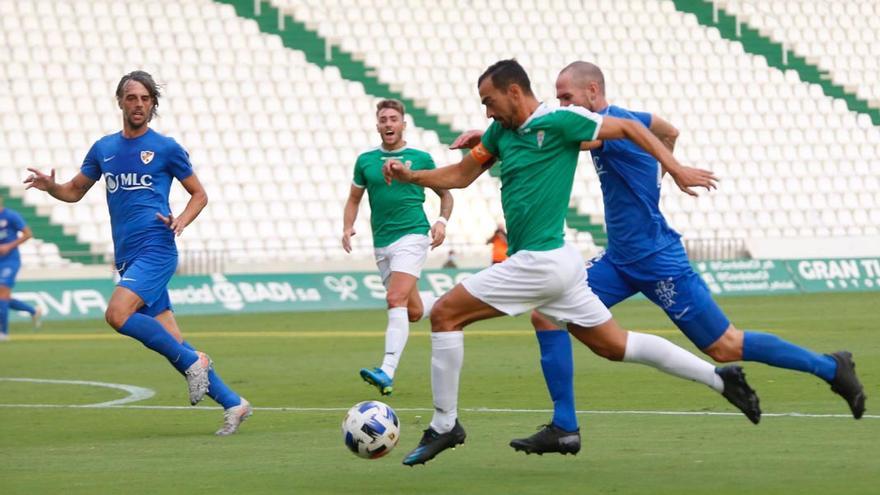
x=370 y=429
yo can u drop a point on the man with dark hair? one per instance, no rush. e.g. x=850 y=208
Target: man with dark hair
x=146 y=80
x=400 y=231
x=11 y=225
x=138 y=165
x=539 y=147
x=646 y=255
x=506 y=72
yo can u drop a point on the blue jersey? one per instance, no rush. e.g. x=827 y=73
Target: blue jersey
x=11 y=224
x=630 y=179
x=138 y=174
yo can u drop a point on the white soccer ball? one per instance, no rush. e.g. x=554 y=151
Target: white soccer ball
x=370 y=429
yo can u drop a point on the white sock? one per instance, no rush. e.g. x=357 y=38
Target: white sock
x=428 y=300
x=396 y=335
x=662 y=354
x=447 y=356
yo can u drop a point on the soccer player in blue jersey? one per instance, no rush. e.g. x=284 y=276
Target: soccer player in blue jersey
x=646 y=255
x=138 y=165
x=11 y=225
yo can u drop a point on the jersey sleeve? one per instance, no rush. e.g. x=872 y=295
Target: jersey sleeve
x=612 y=145
x=643 y=117
x=490 y=138
x=578 y=124
x=91 y=166
x=18 y=222
x=427 y=162
x=359 y=179
x=178 y=162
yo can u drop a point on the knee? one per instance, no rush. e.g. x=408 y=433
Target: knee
x=443 y=315
x=414 y=315
x=115 y=317
x=396 y=299
x=722 y=353
x=728 y=347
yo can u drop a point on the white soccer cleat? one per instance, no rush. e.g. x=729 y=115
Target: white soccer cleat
x=234 y=417
x=37 y=318
x=197 y=378
x=4 y=337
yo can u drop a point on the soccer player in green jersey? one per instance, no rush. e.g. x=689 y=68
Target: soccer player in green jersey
x=400 y=233
x=538 y=148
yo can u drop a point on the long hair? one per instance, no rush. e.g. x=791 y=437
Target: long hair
x=147 y=80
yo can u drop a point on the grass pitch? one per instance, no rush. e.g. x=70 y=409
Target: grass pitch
x=643 y=432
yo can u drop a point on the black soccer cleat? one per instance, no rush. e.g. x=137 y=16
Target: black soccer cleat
x=549 y=439
x=847 y=384
x=738 y=392
x=432 y=443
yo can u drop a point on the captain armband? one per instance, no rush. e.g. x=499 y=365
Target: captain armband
x=481 y=154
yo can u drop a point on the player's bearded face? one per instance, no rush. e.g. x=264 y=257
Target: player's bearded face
x=390 y=124
x=499 y=104
x=136 y=104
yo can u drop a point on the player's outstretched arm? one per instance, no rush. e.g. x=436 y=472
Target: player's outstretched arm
x=349 y=215
x=198 y=199
x=665 y=132
x=685 y=177
x=456 y=176
x=590 y=145
x=438 y=230
x=69 y=192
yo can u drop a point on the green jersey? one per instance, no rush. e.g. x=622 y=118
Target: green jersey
x=396 y=209
x=538 y=161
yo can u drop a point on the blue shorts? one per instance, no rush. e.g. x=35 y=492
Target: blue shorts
x=8 y=271
x=148 y=275
x=667 y=279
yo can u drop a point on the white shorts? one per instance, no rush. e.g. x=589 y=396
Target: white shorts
x=407 y=255
x=554 y=282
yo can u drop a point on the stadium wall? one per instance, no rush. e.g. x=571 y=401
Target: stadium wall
x=291 y=292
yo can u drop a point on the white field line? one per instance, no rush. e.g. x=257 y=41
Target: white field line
x=489 y=410
x=135 y=393
x=140 y=393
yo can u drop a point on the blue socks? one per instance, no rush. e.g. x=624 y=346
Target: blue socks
x=772 y=350
x=4 y=316
x=558 y=366
x=218 y=390
x=18 y=305
x=152 y=334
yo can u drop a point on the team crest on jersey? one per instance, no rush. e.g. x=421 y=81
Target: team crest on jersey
x=3 y=223
x=147 y=156
x=540 y=138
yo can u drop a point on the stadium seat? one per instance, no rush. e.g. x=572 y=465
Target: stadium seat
x=285 y=143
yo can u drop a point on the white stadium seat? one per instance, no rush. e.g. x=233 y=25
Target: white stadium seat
x=274 y=138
